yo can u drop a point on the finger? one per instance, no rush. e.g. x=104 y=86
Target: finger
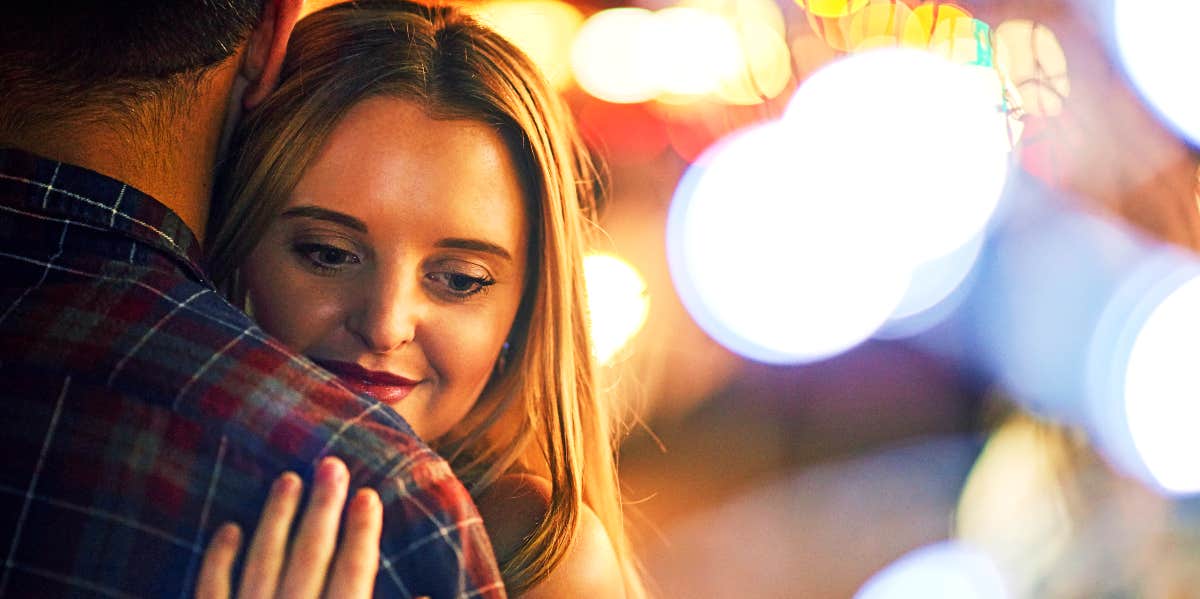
x=216 y=570
x=357 y=559
x=268 y=548
x=312 y=547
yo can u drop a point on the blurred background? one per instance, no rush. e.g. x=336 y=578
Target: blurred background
x=902 y=292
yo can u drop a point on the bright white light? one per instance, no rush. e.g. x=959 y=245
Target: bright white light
x=1153 y=38
x=610 y=55
x=617 y=303
x=543 y=29
x=917 y=145
x=944 y=571
x=1162 y=390
x=767 y=264
x=928 y=298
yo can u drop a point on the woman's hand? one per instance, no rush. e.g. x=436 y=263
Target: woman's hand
x=273 y=569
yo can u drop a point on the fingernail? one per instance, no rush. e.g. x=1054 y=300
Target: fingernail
x=229 y=533
x=286 y=484
x=331 y=471
x=366 y=499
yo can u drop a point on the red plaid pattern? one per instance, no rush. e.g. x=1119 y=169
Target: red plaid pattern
x=140 y=410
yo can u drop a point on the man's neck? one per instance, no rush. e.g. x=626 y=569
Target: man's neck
x=171 y=157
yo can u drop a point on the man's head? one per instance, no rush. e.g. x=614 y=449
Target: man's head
x=73 y=59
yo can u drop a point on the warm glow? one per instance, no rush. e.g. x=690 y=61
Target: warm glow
x=609 y=56
x=544 y=30
x=617 y=302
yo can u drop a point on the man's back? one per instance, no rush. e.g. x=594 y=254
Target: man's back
x=140 y=410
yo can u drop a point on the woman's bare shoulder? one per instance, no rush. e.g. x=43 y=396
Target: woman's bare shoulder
x=515 y=504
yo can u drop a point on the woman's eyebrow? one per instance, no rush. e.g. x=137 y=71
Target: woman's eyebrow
x=475 y=245
x=325 y=214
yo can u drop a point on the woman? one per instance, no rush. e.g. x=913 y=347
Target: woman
x=410 y=209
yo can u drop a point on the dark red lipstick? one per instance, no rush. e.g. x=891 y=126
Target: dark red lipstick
x=384 y=386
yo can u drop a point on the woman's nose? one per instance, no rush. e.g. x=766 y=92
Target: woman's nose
x=388 y=314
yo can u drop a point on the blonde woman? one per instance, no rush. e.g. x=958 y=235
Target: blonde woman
x=410 y=210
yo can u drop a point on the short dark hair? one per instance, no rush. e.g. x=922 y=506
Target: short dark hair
x=115 y=48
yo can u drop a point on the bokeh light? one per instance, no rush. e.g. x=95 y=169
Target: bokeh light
x=1141 y=427
x=693 y=51
x=1033 y=58
x=831 y=8
x=918 y=144
x=543 y=29
x=617 y=302
x=934 y=291
x=1017 y=478
x=765 y=67
x=1162 y=390
x=879 y=24
x=930 y=21
x=608 y=57
x=764 y=61
x=1153 y=37
x=768 y=267
x=963 y=40
x=947 y=570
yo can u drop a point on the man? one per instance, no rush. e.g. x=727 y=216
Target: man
x=139 y=410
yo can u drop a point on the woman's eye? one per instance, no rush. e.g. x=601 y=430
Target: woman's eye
x=326 y=257
x=459 y=284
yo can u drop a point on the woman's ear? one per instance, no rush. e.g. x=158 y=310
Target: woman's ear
x=263 y=60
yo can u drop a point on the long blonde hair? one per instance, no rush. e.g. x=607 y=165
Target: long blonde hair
x=542 y=413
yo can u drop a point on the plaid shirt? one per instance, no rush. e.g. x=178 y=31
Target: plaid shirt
x=140 y=410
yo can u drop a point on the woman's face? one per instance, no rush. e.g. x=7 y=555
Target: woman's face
x=399 y=260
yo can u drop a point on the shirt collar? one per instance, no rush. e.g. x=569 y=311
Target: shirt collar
x=85 y=196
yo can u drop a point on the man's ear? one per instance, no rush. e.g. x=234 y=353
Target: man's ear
x=266 y=48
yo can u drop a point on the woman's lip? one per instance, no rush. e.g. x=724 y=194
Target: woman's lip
x=353 y=372
x=383 y=386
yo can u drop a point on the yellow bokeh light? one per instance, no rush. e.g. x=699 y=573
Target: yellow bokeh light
x=963 y=40
x=765 y=70
x=1017 y=478
x=617 y=301
x=879 y=24
x=927 y=19
x=544 y=30
x=831 y=8
x=1032 y=56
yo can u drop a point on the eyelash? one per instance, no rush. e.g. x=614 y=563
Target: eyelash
x=309 y=250
x=478 y=284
